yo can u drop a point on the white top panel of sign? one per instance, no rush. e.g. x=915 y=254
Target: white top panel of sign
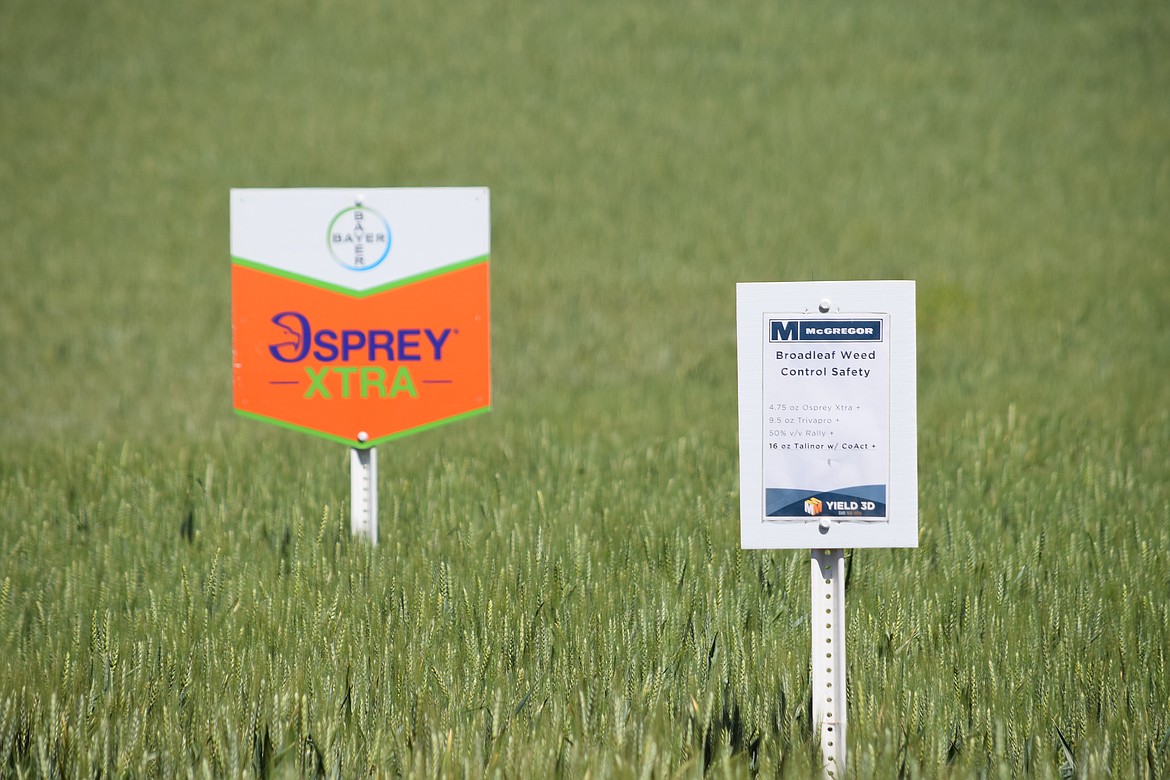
x=358 y=238
x=828 y=430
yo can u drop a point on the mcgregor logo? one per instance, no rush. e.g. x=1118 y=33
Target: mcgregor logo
x=359 y=238
x=813 y=506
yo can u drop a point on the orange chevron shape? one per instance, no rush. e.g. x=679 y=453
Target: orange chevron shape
x=339 y=366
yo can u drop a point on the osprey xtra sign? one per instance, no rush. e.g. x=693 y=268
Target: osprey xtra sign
x=360 y=315
x=828 y=433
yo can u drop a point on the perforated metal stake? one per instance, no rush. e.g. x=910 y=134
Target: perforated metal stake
x=828 y=657
x=363 y=491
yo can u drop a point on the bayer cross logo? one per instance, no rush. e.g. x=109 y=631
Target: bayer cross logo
x=359 y=238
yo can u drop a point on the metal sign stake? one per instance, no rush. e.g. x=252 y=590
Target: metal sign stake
x=828 y=657
x=363 y=481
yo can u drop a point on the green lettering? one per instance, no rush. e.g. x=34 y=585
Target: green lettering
x=403 y=382
x=373 y=376
x=346 y=373
x=318 y=383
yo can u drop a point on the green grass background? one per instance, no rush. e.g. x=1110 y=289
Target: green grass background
x=559 y=588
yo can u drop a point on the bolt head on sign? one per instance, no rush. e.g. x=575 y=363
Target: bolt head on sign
x=360 y=315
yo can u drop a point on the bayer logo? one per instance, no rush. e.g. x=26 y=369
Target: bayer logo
x=359 y=238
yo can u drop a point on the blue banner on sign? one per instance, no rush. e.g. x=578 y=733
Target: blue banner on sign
x=825 y=330
x=857 y=501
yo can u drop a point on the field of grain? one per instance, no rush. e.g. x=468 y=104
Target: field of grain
x=558 y=588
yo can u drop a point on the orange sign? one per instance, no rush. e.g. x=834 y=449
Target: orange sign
x=359 y=365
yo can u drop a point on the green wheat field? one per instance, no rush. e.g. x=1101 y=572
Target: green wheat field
x=559 y=590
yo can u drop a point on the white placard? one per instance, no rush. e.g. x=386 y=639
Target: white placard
x=827 y=413
x=315 y=233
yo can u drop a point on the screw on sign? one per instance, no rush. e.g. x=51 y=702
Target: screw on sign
x=361 y=317
x=828 y=447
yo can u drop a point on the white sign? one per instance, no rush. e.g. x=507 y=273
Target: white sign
x=827 y=415
x=425 y=229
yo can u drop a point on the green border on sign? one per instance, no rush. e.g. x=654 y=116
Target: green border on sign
x=359 y=293
x=362 y=445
